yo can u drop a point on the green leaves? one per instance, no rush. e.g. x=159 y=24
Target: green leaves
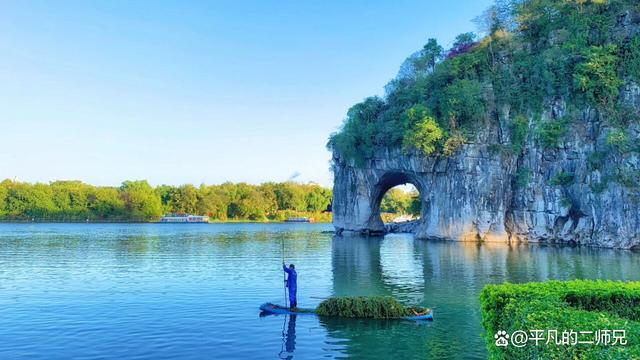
x=453 y=143
x=551 y=132
x=562 y=179
x=631 y=58
x=538 y=52
x=597 y=75
x=139 y=201
x=464 y=104
x=522 y=177
x=362 y=131
x=578 y=305
x=397 y=201
x=424 y=136
x=519 y=130
x=618 y=139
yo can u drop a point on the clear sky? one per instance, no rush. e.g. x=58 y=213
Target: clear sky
x=197 y=91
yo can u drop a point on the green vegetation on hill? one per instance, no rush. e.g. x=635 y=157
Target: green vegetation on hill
x=573 y=306
x=139 y=201
x=535 y=53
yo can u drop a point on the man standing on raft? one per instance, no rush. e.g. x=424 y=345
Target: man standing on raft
x=292 y=284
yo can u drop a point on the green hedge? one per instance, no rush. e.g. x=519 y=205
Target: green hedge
x=579 y=305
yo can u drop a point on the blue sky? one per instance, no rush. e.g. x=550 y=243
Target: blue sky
x=197 y=91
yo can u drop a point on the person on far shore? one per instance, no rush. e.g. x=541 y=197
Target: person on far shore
x=292 y=284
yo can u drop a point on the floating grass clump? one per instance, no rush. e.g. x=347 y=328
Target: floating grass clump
x=376 y=307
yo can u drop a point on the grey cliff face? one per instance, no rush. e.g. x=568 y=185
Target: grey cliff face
x=464 y=197
x=478 y=193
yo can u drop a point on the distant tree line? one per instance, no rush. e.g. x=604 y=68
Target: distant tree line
x=399 y=202
x=139 y=201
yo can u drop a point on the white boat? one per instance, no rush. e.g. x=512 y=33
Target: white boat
x=185 y=219
x=300 y=219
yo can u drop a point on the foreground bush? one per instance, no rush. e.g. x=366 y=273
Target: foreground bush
x=592 y=313
x=376 y=307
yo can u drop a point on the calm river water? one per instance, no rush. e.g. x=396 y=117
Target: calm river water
x=120 y=291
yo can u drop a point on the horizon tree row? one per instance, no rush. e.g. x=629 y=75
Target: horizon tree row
x=139 y=201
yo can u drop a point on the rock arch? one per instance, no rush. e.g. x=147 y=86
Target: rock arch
x=463 y=197
x=387 y=181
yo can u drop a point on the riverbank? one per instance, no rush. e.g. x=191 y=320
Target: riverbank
x=151 y=222
x=276 y=217
x=138 y=201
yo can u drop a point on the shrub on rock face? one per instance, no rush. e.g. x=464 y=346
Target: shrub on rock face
x=551 y=132
x=464 y=104
x=585 y=309
x=562 y=179
x=618 y=139
x=598 y=76
x=425 y=136
x=522 y=177
x=453 y=143
x=519 y=128
x=631 y=59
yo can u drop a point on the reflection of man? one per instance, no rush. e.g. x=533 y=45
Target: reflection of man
x=290 y=343
x=292 y=284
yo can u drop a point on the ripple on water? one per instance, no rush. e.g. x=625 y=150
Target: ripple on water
x=138 y=291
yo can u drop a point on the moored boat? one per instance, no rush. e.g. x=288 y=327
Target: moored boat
x=192 y=219
x=299 y=220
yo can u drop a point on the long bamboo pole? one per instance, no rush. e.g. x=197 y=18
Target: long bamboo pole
x=283 y=274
